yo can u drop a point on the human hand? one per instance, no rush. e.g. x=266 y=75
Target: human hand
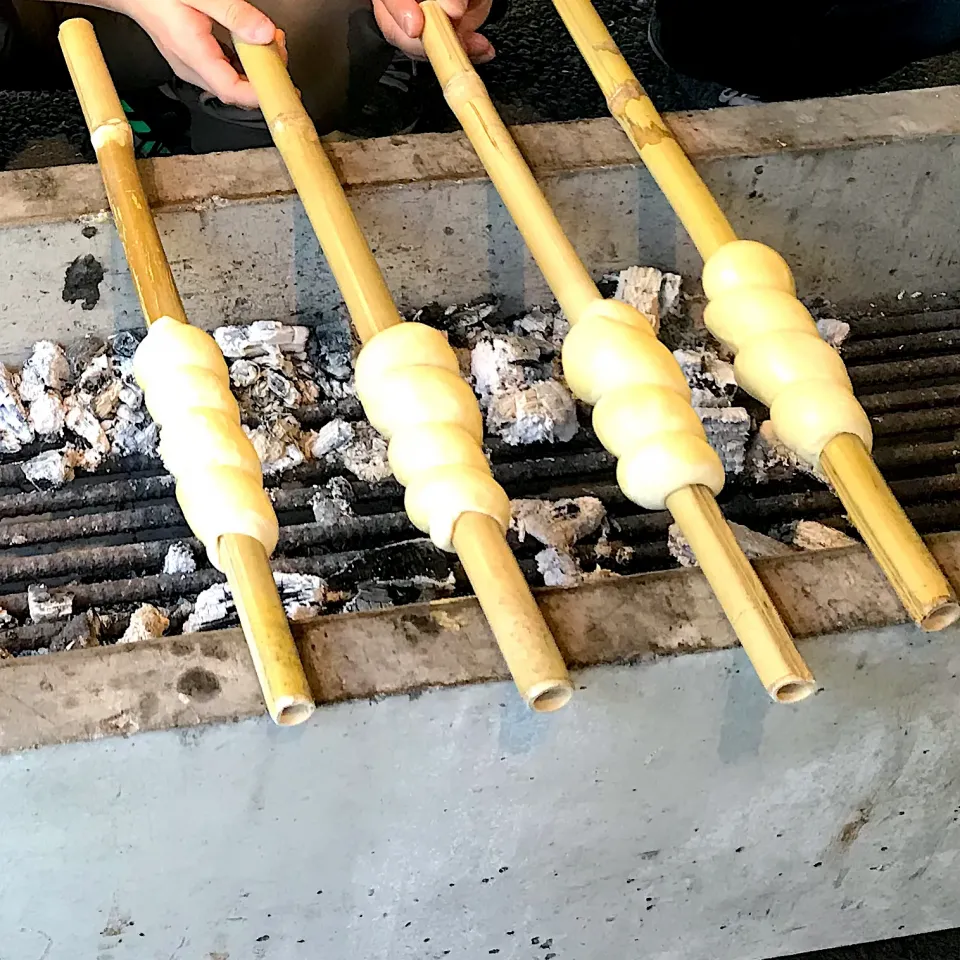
x=401 y=22
x=183 y=31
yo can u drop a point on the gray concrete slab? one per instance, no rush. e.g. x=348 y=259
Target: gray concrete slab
x=673 y=813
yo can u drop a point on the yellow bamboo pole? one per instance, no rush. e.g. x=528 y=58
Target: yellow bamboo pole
x=522 y=634
x=845 y=460
x=283 y=682
x=745 y=602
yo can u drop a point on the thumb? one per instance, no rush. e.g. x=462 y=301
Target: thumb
x=242 y=19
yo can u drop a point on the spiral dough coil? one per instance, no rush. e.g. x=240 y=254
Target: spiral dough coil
x=409 y=383
x=780 y=357
x=186 y=387
x=642 y=411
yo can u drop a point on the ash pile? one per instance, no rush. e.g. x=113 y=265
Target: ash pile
x=72 y=417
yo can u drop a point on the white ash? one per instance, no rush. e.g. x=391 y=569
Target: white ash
x=543 y=412
x=54 y=467
x=558 y=568
x=45 y=604
x=833 y=331
x=7 y=619
x=303 y=596
x=48 y=415
x=754 y=545
x=502 y=364
x=46 y=368
x=282 y=388
x=129 y=438
x=548 y=326
x=331 y=437
x=244 y=373
x=179 y=560
x=557 y=523
x=810 y=535
x=105 y=403
x=464 y=323
x=365 y=456
x=146 y=623
x=254 y=339
x=95 y=373
x=81 y=420
x=277 y=445
x=131 y=397
x=769 y=460
x=728 y=432
x=15 y=430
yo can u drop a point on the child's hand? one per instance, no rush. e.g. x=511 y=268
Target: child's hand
x=402 y=23
x=183 y=32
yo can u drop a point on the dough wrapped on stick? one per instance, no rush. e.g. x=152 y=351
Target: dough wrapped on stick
x=780 y=358
x=613 y=360
x=409 y=384
x=187 y=391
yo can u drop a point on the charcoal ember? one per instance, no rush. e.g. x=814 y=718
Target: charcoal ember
x=131 y=396
x=78 y=633
x=810 y=535
x=282 y=388
x=369 y=596
x=463 y=323
x=331 y=437
x=558 y=568
x=46 y=369
x=365 y=456
x=254 y=339
x=303 y=595
x=332 y=502
x=125 y=343
x=179 y=560
x=502 y=364
x=754 y=545
x=146 y=623
x=557 y=523
x=52 y=467
x=47 y=415
x=213 y=607
x=107 y=399
x=640 y=287
x=273 y=358
x=131 y=435
x=15 y=430
x=82 y=421
x=543 y=412
x=45 y=604
x=768 y=460
x=95 y=374
x=277 y=445
x=7 y=620
x=728 y=432
x=333 y=355
x=833 y=331
x=82 y=352
x=711 y=379
x=244 y=373
x=547 y=326
x=394 y=563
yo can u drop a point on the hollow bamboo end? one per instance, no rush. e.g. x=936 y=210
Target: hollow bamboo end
x=549 y=695
x=283 y=682
x=515 y=619
x=905 y=559
x=747 y=605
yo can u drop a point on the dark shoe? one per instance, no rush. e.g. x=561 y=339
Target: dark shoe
x=161 y=126
x=395 y=105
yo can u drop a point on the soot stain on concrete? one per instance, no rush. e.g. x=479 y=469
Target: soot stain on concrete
x=198 y=684
x=82 y=281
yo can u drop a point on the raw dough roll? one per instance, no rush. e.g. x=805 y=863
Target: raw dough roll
x=409 y=383
x=642 y=412
x=186 y=387
x=780 y=357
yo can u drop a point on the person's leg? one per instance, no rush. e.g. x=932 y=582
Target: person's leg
x=815 y=48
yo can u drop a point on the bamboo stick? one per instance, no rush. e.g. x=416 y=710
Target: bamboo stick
x=282 y=680
x=924 y=590
x=736 y=585
x=524 y=639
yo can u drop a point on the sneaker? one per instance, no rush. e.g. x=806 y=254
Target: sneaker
x=734 y=98
x=395 y=105
x=160 y=126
